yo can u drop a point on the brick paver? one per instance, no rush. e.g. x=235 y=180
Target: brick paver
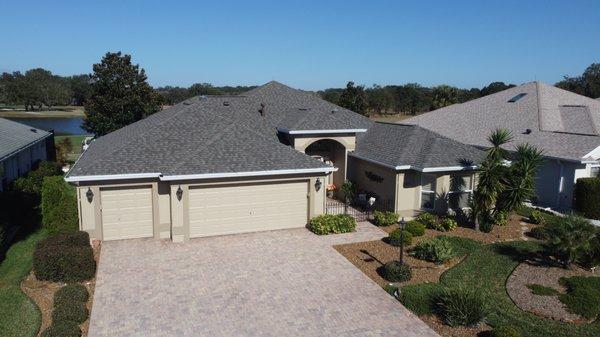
x=280 y=283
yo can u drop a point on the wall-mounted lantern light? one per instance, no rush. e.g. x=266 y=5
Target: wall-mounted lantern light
x=89 y=195
x=318 y=184
x=179 y=193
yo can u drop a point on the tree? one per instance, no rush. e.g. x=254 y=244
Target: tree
x=331 y=95
x=495 y=87
x=80 y=88
x=444 y=95
x=412 y=98
x=380 y=99
x=63 y=149
x=120 y=95
x=588 y=84
x=354 y=98
x=571 y=238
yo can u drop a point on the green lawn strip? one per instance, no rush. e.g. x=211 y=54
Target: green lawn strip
x=583 y=295
x=538 y=289
x=19 y=316
x=487 y=267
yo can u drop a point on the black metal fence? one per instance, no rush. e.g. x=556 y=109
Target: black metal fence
x=361 y=211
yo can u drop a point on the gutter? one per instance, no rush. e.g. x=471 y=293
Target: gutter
x=316 y=132
x=416 y=168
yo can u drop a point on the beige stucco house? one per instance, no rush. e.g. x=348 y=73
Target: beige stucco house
x=216 y=165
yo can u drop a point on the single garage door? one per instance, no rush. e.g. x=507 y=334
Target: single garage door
x=126 y=213
x=228 y=209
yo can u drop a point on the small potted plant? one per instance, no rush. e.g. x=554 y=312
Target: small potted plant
x=330 y=189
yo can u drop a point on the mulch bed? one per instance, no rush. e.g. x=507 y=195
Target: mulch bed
x=42 y=294
x=546 y=306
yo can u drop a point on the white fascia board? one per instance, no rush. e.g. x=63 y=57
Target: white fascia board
x=410 y=167
x=448 y=168
x=247 y=174
x=316 y=132
x=403 y=167
x=592 y=156
x=73 y=179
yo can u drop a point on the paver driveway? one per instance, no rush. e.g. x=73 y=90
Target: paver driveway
x=281 y=283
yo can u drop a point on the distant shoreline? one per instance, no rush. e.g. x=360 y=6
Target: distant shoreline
x=66 y=112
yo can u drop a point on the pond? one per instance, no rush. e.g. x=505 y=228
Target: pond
x=61 y=126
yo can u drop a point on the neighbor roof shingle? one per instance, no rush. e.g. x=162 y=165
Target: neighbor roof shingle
x=14 y=136
x=561 y=123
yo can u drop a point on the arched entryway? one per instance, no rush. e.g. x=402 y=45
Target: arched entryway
x=333 y=153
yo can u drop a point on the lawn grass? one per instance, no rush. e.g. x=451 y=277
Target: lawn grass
x=19 y=316
x=76 y=140
x=487 y=268
x=583 y=295
x=55 y=112
x=538 y=289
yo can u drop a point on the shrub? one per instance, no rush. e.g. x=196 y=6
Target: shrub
x=538 y=233
x=62 y=329
x=461 y=306
x=448 y=224
x=32 y=182
x=438 y=250
x=385 y=218
x=395 y=271
x=332 y=224
x=3 y=238
x=487 y=224
x=587 y=197
x=71 y=293
x=73 y=312
x=536 y=218
x=415 y=228
x=59 y=206
x=420 y=299
x=63 y=258
x=504 y=331
x=583 y=295
x=500 y=218
x=390 y=289
x=538 y=289
x=427 y=219
x=570 y=239
x=397 y=236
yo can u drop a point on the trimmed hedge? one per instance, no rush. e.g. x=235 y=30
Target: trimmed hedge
x=62 y=329
x=72 y=312
x=332 y=224
x=384 y=219
x=59 y=206
x=587 y=197
x=71 y=293
x=415 y=228
x=397 y=236
x=395 y=271
x=64 y=258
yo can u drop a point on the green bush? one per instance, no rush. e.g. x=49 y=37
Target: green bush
x=63 y=258
x=587 y=197
x=427 y=219
x=32 y=182
x=438 y=250
x=415 y=228
x=395 y=271
x=448 y=224
x=332 y=224
x=536 y=218
x=397 y=236
x=501 y=218
x=582 y=296
x=461 y=306
x=538 y=233
x=62 y=329
x=420 y=299
x=505 y=331
x=571 y=239
x=73 y=312
x=59 y=206
x=71 y=293
x=385 y=218
x=538 y=289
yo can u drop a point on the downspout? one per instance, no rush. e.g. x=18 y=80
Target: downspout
x=560 y=184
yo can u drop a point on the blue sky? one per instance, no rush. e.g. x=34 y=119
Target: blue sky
x=308 y=44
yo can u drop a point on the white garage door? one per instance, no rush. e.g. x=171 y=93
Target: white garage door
x=126 y=213
x=219 y=210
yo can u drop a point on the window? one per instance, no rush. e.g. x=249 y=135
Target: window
x=461 y=188
x=427 y=191
x=595 y=171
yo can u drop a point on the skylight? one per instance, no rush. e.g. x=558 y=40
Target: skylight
x=518 y=97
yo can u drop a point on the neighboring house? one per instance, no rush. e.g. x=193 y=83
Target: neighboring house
x=414 y=169
x=21 y=146
x=566 y=126
x=216 y=165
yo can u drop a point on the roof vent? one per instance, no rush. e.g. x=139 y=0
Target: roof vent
x=518 y=97
x=202 y=97
x=187 y=103
x=33 y=130
x=334 y=110
x=226 y=103
x=262 y=109
x=303 y=109
x=527 y=131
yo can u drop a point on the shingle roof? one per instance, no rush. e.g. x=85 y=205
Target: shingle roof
x=563 y=124
x=410 y=145
x=15 y=136
x=217 y=134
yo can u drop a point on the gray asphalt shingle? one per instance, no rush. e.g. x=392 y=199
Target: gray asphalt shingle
x=14 y=136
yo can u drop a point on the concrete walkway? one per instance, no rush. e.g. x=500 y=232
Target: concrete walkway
x=280 y=283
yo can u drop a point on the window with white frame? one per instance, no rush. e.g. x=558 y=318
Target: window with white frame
x=595 y=171
x=427 y=191
x=461 y=188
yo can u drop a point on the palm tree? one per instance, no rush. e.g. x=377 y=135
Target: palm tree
x=519 y=183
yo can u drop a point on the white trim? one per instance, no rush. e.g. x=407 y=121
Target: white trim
x=248 y=174
x=112 y=177
x=594 y=155
x=409 y=167
x=314 y=132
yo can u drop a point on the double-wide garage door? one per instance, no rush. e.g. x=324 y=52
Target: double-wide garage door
x=241 y=208
x=126 y=213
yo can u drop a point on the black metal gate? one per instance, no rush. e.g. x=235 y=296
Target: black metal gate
x=359 y=211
